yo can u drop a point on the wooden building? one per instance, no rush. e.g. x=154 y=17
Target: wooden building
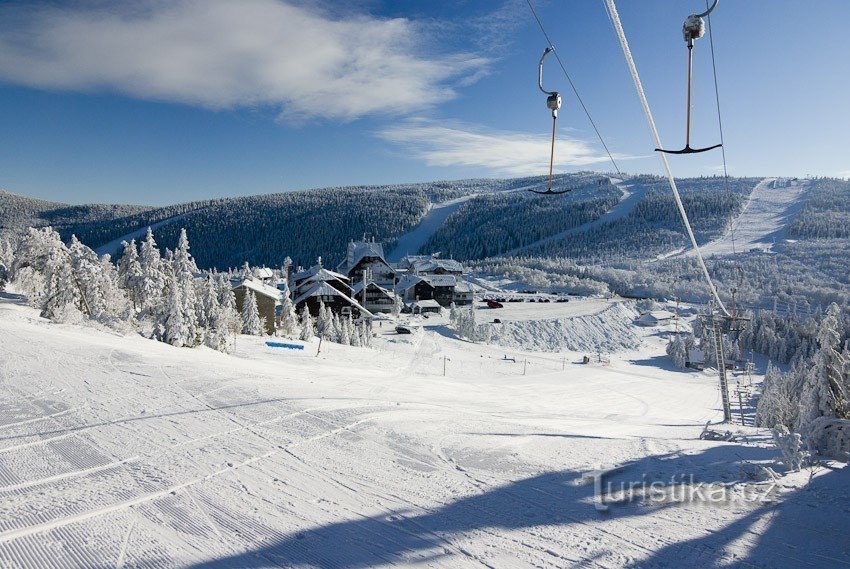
x=367 y=257
x=338 y=302
x=268 y=298
x=375 y=298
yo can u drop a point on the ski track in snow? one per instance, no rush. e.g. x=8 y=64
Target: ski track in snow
x=764 y=220
x=114 y=247
x=413 y=240
x=158 y=456
x=632 y=194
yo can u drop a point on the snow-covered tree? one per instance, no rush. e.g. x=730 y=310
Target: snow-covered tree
x=824 y=391
x=61 y=300
x=175 y=330
x=251 y=323
x=345 y=326
x=130 y=273
x=324 y=322
x=678 y=349
x=184 y=269
x=218 y=334
x=465 y=325
x=227 y=304
x=288 y=316
x=117 y=303
x=307 y=332
x=336 y=328
x=365 y=333
x=151 y=294
x=778 y=404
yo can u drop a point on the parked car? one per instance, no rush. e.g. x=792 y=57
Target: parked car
x=493 y=303
x=405 y=329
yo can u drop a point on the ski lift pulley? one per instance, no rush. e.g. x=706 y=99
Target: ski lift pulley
x=692 y=29
x=553 y=103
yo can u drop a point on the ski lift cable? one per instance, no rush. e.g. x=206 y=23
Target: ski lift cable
x=719 y=114
x=624 y=44
x=572 y=86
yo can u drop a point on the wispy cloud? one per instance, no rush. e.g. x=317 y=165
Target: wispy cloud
x=225 y=54
x=513 y=153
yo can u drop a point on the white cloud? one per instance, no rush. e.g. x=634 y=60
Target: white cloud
x=226 y=54
x=513 y=153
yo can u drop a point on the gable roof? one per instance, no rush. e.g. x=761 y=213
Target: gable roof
x=359 y=287
x=440 y=280
x=318 y=270
x=265 y=273
x=358 y=250
x=409 y=281
x=324 y=289
x=259 y=288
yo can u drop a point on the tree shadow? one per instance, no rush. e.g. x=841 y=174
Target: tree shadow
x=559 y=498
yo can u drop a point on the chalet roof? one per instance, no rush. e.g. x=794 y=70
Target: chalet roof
x=324 y=289
x=259 y=288
x=264 y=273
x=463 y=286
x=409 y=281
x=359 y=287
x=318 y=270
x=358 y=250
x=429 y=264
x=440 y=280
x=430 y=303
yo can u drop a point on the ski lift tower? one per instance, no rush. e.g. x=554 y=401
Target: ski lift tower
x=721 y=325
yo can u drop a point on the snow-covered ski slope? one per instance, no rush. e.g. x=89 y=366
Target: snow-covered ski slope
x=773 y=205
x=115 y=246
x=123 y=452
x=411 y=242
x=631 y=195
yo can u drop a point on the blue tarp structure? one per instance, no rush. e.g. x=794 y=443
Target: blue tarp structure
x=285 y=345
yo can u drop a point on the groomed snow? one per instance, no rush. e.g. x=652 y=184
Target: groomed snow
x=773 y=204
x=120 y=451
x=602 y=326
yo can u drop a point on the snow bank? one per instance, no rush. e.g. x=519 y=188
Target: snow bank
x=610 y=330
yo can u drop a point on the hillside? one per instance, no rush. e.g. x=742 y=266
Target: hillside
x=120 y=451
x=19 y=212
x=626 y=236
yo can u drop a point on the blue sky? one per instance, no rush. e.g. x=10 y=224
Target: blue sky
x=160 y=101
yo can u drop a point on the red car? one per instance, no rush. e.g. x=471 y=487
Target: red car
x=493 y=303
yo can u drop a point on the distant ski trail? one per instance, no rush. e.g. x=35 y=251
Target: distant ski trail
x=411 y=242
x=632 y=194
x=114 y=247
x=773 y=205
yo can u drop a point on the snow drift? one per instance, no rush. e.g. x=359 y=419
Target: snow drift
x=609 y=330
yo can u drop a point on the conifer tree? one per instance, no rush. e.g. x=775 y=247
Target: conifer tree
x=307 y=332
x=824 y=392
x=153 y=288
x=324 y=322
x=173 y=326
x=251 y=323
x=184 y=269
x=130 y=274
x=288 y=317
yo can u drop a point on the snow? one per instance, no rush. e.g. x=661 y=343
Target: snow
x=773 y=205
x=413 y=240
x=121 y=451
x=114 y=247
x=606 y=330
x=632 y=194
x=260 y=288
x=410 y=242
